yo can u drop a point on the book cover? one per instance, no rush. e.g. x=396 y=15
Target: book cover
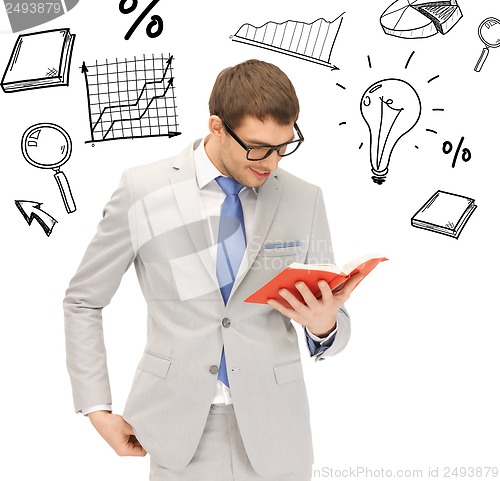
x=311 y=274
x=444 y=213
x=39 y=59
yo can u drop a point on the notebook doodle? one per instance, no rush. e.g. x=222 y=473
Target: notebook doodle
x=39 y=60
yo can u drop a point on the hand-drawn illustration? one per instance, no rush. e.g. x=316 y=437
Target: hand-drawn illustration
x=24 y=15
x=48 y=146
x=489 y=33
x=155 y=23
x=466 y=153
x=39 y=60
x=390 y=108
x=420 y=18
x=406 y=67
x=31 y=210
x=313 y=41
x=444 y=213
x=131 y=99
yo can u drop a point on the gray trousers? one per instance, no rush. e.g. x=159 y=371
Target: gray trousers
x=220 y=455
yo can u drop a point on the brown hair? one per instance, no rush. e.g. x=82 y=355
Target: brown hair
x=254 y=88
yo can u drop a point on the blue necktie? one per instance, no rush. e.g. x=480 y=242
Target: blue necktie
x=230 y=248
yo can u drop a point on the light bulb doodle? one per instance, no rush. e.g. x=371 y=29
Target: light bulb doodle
x=489 y=33
x=390 y=108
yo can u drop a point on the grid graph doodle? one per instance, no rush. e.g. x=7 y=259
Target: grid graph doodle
x=313 y=41
x=131 y=99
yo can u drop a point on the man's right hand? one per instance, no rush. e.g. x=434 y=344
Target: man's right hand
x=117 y=433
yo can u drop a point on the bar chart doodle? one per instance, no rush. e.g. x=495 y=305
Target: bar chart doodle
x=131 y=99
x=313 y=41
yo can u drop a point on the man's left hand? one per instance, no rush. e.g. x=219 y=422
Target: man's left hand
x=318 y=315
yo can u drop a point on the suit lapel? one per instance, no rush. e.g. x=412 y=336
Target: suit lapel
x=187 y=195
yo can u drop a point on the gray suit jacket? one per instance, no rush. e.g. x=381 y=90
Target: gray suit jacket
x=154 y=220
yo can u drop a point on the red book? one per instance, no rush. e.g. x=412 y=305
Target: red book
x=311 y=274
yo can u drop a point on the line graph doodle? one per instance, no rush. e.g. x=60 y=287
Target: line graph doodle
x=131 y=98
x=313 y=41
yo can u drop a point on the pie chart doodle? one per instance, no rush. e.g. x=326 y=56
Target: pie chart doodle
x=420 y=18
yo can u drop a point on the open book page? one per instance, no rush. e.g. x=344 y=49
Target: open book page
x=346 y=269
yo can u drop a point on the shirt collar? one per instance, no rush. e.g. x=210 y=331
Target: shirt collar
x=204 y=168
x=206 y=171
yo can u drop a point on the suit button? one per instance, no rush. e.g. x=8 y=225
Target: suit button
x=226 y=322
x=214 y=369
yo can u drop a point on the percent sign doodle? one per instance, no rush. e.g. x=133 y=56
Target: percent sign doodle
x=466 y=153
x=156 y=21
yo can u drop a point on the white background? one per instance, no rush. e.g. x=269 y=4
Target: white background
x=418 y=385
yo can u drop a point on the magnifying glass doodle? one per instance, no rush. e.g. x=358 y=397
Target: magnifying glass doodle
x=48 y=146
x=489 y=33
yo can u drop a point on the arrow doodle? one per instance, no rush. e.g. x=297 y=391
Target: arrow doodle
x=31 y=210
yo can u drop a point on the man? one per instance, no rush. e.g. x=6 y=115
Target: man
x=219 y=392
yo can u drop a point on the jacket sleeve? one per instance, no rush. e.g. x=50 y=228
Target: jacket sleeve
x=321 y=252
x=108 y=256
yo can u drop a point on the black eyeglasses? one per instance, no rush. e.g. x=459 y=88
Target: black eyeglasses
x=263 y=151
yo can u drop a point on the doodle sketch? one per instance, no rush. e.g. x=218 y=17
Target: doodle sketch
x=444 y=213
x=32 y=211
x=313 y=42
x=448 y=148
x=155 y=23
x=48 y=146
x=489 y=33
x=131 y=98
x=39 y=60
x=390 y=108
x=420 y=18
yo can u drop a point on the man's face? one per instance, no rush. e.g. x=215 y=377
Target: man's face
x=232 y=159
